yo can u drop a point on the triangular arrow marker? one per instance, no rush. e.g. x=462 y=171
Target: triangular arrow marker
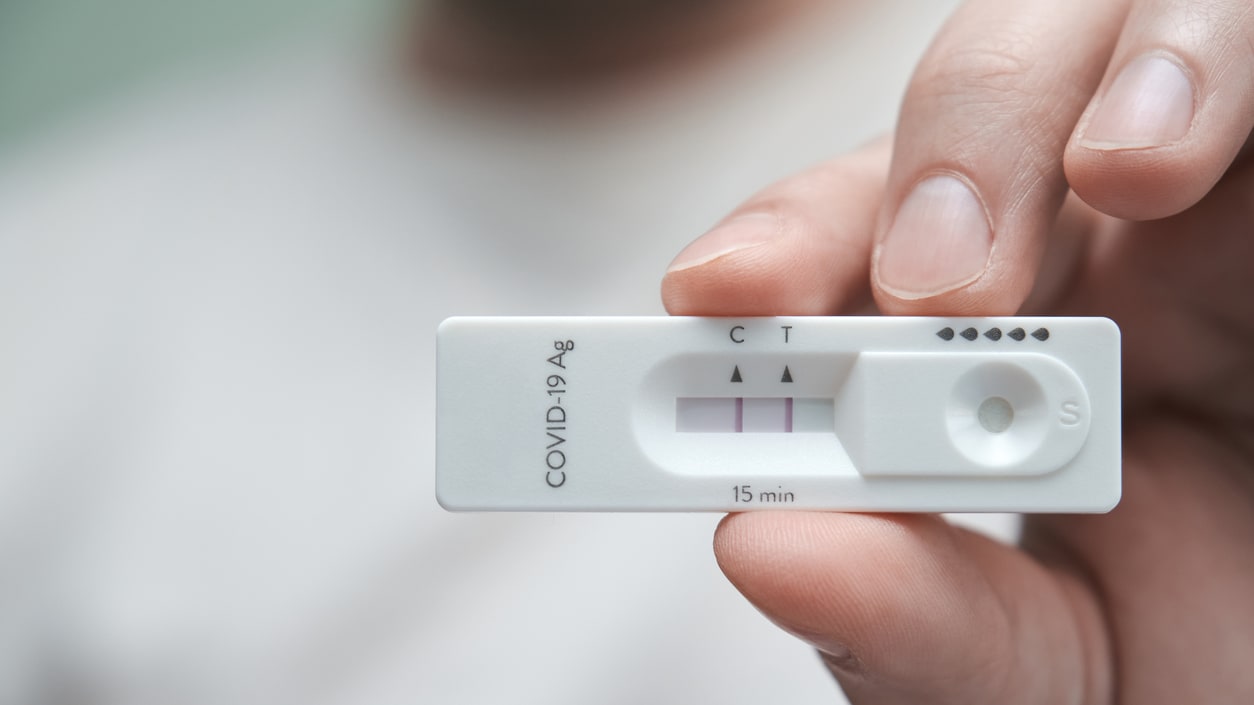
x=1041 y=334
x=736 y=374
x=1017 y=334
x=787 y=375
x=945 y=333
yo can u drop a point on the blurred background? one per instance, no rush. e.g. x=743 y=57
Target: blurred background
x=228 y=231
x=59 y=58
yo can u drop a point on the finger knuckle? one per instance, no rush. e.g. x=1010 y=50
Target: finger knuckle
x=1221 y=31
x=994 y=68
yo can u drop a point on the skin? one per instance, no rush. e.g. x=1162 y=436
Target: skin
x=1154 y=602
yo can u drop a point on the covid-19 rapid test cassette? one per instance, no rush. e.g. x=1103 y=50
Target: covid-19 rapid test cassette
x=859 y=414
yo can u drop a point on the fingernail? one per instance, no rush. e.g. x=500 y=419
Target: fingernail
x=939 y=240
x=1150 y=103
x=834 y=653
x=841 y=660
x=739 y=233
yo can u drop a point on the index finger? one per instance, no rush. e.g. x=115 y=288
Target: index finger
x=977 y=175
x=799 y=247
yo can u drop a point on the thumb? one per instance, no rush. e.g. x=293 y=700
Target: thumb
x=909 y=609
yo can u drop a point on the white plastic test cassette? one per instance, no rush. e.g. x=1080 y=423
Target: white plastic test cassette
x=860 y=414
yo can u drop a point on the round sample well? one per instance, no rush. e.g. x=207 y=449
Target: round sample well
x=996 y=415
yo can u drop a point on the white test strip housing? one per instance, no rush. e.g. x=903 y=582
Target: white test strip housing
x=859 y=414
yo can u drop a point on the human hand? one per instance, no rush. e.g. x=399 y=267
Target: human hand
x=1144 y=109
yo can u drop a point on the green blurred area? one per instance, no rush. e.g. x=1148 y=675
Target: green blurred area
x=59 y=57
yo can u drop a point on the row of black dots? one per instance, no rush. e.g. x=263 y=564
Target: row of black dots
x=948 y=333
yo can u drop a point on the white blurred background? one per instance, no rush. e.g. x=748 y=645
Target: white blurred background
x=228 y=231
